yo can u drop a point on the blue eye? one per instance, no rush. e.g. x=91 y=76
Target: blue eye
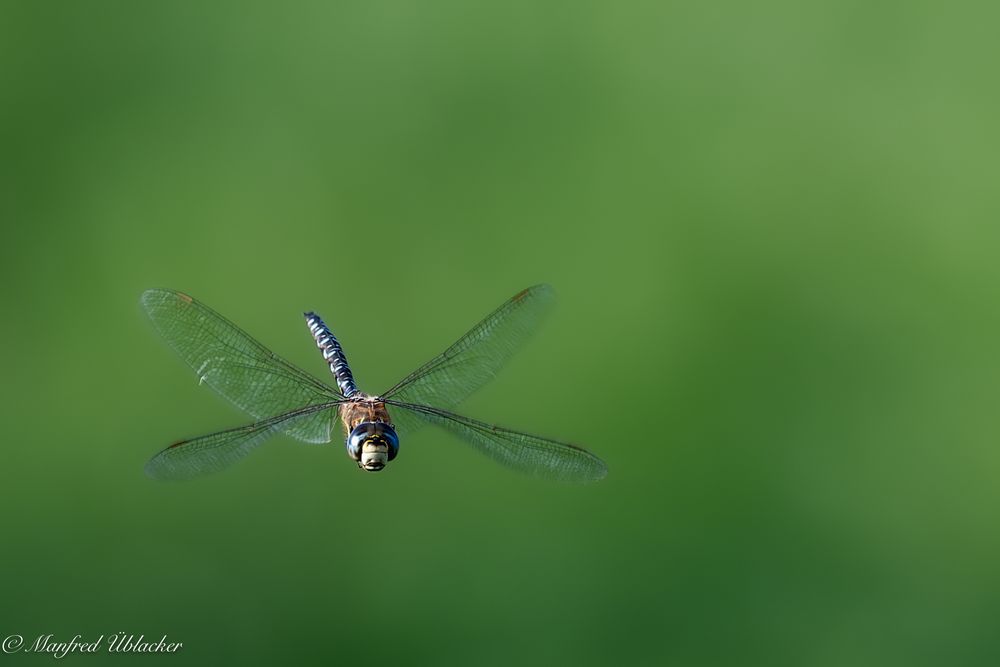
x=365 y=431
x=355 y=440
x=390 y=437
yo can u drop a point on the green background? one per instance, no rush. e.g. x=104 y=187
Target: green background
x=773 y=231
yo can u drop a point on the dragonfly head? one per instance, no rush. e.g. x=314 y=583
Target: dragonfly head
x=372 y=445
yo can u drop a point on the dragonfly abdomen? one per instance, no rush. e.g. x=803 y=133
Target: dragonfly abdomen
x=332 y=353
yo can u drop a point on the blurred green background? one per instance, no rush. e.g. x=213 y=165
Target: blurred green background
x=776 y=222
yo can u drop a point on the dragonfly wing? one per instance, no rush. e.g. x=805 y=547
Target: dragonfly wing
x=449 y=378
x=530 y=454
x=211 y=453
x=235 y=365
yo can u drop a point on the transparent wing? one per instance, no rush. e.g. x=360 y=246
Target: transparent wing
x=211 y=453
x=235 y=365
x=449 y=378
x=531 y=454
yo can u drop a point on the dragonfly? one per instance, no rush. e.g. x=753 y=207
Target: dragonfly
x=284 y=399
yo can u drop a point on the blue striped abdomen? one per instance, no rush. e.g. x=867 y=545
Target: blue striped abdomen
x=332 y=353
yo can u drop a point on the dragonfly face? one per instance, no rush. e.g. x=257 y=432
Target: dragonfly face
x=284 y=399
x=372 y=445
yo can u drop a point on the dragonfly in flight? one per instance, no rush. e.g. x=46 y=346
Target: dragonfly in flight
x=285 y=399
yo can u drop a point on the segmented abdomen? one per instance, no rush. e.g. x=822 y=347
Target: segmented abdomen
x=332 y=353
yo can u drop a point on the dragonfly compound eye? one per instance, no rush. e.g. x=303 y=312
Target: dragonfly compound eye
x=372 y=445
